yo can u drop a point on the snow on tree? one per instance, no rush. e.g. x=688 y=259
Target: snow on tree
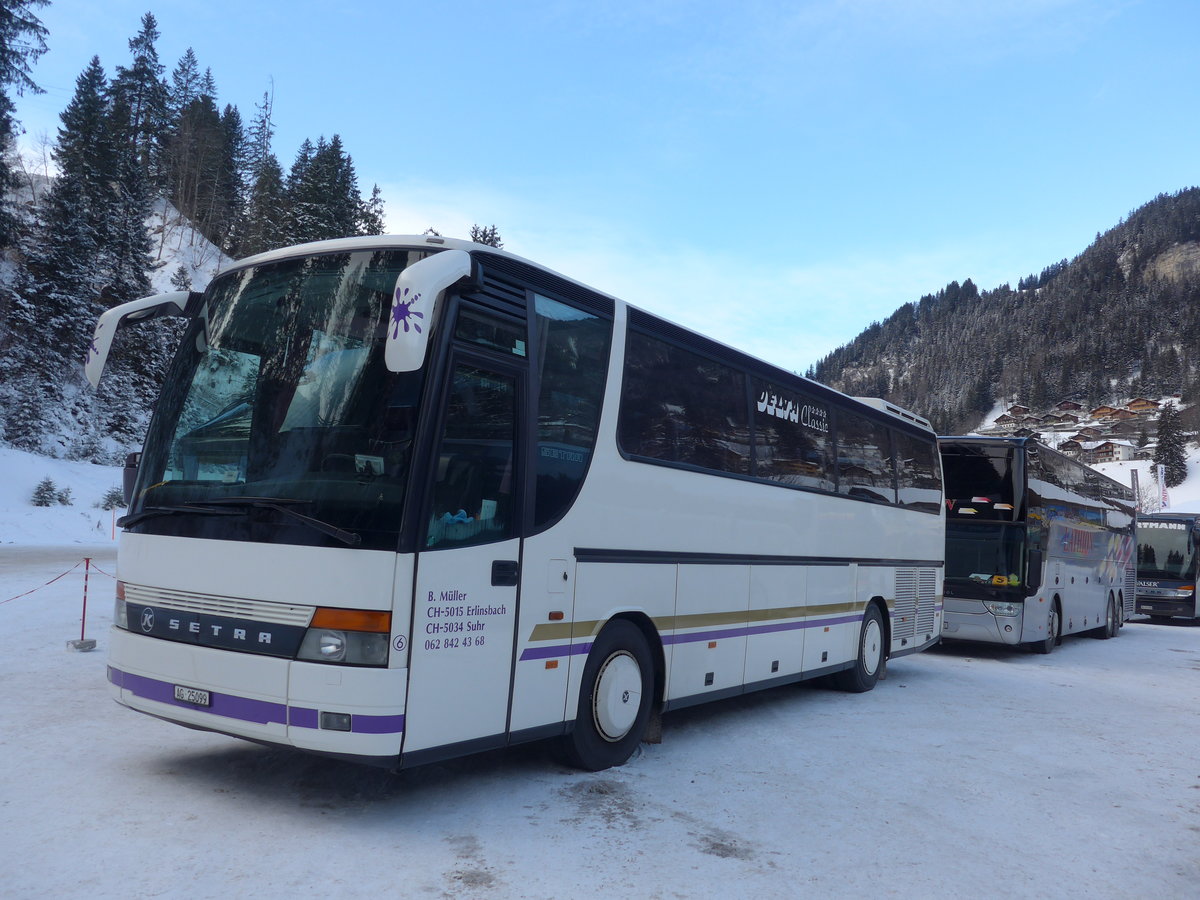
x=1171 y=452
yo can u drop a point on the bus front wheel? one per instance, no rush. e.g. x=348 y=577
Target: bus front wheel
x=1047 y=645
x=871 y=656
x=615 y=697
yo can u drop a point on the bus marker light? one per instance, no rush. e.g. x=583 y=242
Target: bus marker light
x=351 y=619
x=335 y=721
x=552 y=664
x=556 y=615
x=712 y=645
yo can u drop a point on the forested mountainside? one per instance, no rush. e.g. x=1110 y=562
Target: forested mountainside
x=1121 y=319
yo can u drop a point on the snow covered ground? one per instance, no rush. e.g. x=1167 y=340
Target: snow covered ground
x=970 y=771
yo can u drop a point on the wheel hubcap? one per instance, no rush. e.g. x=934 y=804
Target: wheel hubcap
x=872 y=645
x=618 y=696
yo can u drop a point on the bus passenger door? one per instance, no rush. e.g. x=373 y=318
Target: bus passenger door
x=465 y=603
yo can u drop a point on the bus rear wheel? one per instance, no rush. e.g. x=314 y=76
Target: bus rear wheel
x=615 y=697
x=871 y=656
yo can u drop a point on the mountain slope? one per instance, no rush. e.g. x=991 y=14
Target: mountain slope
x=1121 y=319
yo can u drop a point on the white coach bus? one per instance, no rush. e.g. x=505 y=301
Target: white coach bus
x=409 y=498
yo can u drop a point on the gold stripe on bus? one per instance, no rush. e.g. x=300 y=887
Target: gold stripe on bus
x=561 y=631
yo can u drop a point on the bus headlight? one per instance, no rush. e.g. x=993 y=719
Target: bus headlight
x=349 y=637
x=1002 y=607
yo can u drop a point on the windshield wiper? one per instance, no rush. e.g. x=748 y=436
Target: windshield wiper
x=279 y=504
x=220 y=506
x=151 y=512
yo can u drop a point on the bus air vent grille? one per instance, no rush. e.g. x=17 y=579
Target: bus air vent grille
x=210 y=604
x=926 y=600
x=904 y=621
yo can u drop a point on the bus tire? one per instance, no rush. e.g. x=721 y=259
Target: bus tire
x=872 y=655
x=615 y=699
x=1052 y=628
x=1109 y=628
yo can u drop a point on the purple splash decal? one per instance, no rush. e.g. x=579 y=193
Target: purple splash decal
x=404 y=314
x=93 y=350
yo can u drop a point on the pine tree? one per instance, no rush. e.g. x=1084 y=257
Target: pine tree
x=1171 y=452
x=46 y=493
x=139 y=91
x=371 y=219
x=22 y=41
x=488 y=235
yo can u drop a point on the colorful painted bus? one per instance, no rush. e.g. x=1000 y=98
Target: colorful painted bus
x=1167 y=559
x=1038 y=545
x=409 y=498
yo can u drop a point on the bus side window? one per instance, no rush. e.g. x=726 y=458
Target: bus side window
x=473 y=487
x=572 y=349
x=865 y=462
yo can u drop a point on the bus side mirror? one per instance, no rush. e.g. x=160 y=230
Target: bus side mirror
x=129 y=476
x=173 y=304
x=1033 y=579
x=414 y=303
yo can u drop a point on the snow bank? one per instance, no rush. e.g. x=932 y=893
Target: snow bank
x=83 y=522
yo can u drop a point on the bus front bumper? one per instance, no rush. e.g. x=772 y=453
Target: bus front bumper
x=970 y=620
x=275 y=701
x=1161 y=607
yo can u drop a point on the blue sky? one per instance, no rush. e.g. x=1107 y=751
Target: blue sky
x=775 y=174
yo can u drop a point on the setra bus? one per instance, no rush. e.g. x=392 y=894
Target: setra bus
x=1166 y=564
x=409 y=498
x=1038 y=545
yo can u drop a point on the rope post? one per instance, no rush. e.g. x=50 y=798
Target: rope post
x=84 y=643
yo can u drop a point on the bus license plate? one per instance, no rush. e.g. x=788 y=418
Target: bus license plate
x=194 y=696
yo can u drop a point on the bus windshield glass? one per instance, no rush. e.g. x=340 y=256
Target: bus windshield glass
x=991 y=553
x=1165 y=550
x=278 y=420
x=980 y=481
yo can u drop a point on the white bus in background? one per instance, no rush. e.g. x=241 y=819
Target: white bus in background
x=409 y=498
x=1038 y=545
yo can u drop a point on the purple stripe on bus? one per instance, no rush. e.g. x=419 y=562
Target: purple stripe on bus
x=377 y=724
x=302 y=717
x=556 y=651
x=747 y=630
x=262 y=712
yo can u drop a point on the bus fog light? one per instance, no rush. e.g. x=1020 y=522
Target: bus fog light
x=335 y=721
x=1002 y=607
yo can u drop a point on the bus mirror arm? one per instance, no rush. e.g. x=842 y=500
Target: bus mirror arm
x=176 y=303
x=129 y=476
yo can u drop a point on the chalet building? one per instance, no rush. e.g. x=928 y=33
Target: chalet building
x=1071 y=448
x=1069 y=418
x=1068 y=406
x=1088 y=433
x=1017 y=410
x=1005 y=422
x=1112 y=451
x=1102 y=412
x=1123 y=415
x=1142 y=406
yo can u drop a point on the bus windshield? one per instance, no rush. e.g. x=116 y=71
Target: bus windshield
x=279 y=420
x=985 y=553
x=1165 y=550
